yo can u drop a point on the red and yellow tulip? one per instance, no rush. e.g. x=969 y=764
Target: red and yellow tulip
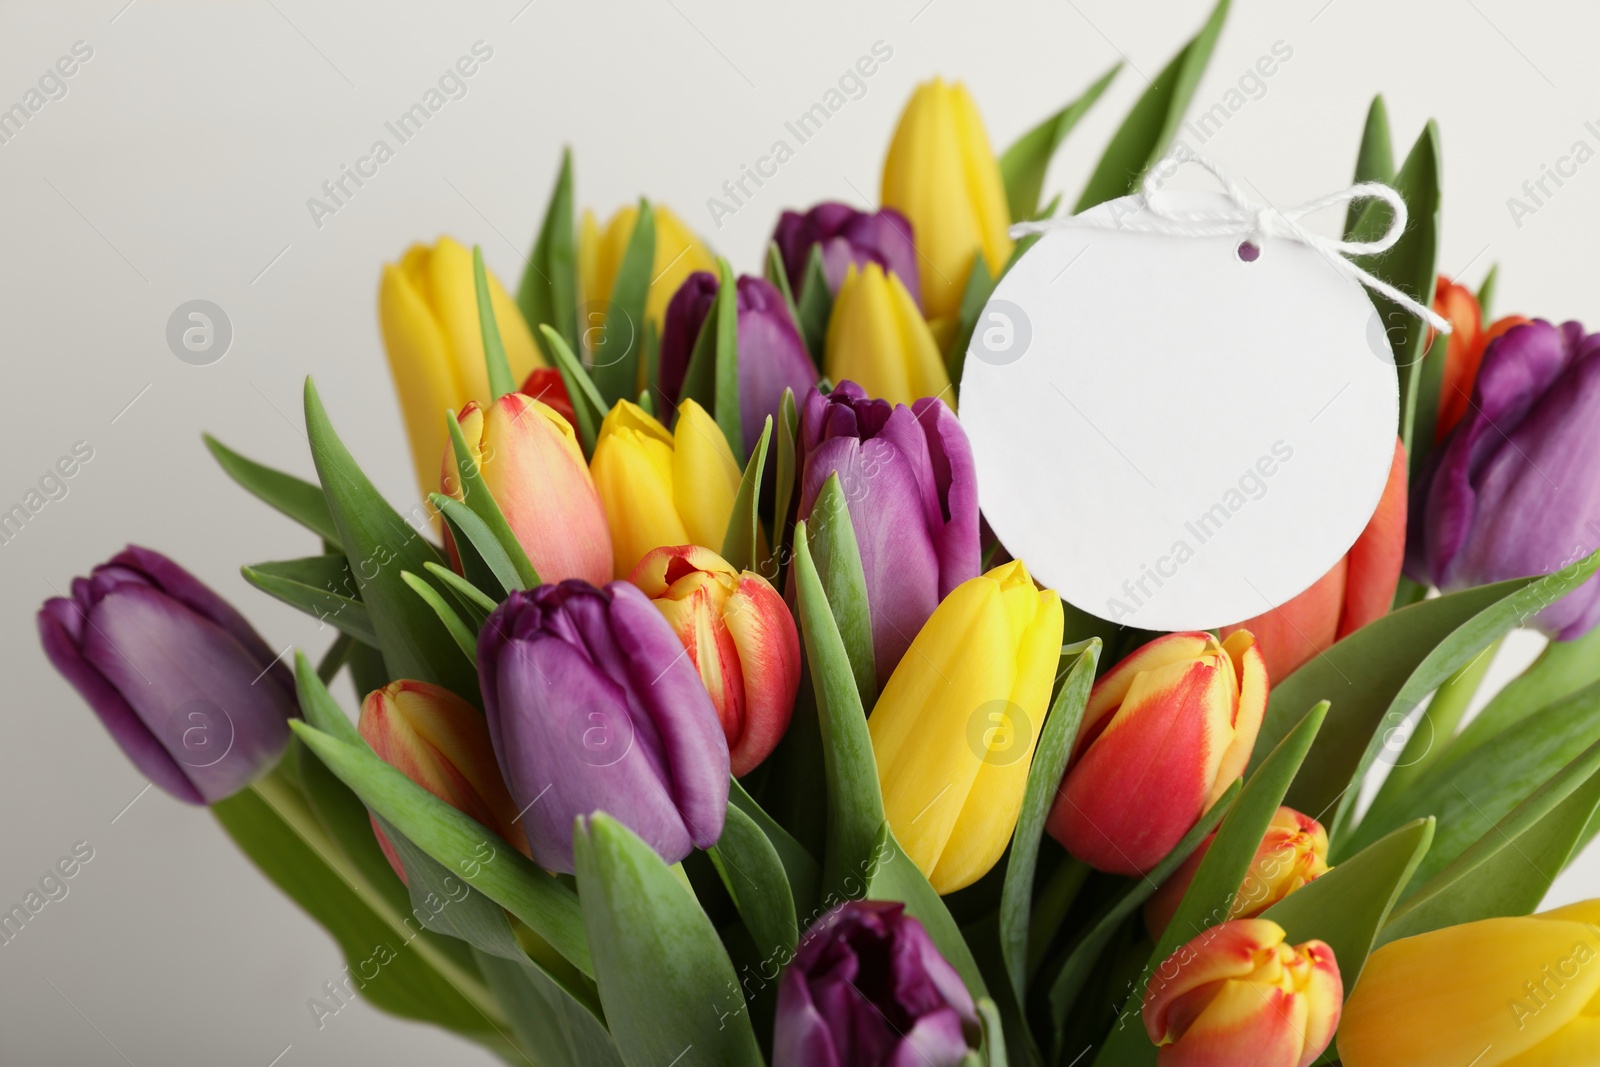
x=1355 y=591
x=440 y=742
x=1293 y=852
x=1237 y=994
x=1509 y=992
x=529 y=458
x=739 y=635
x=1164 y=734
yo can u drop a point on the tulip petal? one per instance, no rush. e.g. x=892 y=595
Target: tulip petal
x=705 y=477
x=1228 y=950
x=1376 y=557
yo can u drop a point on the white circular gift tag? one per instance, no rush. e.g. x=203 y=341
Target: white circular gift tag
x=1169 y=435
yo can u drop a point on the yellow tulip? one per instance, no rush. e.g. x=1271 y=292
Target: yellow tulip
x=660 y=487
x=679 y=253
x=941 y=174
x=1511 y=992
x=955 y=727
x=428 y=311
x=877 y=338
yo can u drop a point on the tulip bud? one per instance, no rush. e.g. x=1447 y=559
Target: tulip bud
x=593 y=706
x=428 y=309
x=1509 y=992
x=544 y=384
x=867 y=987
x=772 y=357
x=877 y=337
x=679 y=253
x=909 y=482
x=662 y=488
x=1237 y=994
x=178 y=678
x=941 y=174
x=1514 y=490
x=1357 y=590
x=1164 y=733
x=739 y=636
x=529 y=458
x=847 y=238
x=954 y=730
x=440 y=742
x=1293 y=853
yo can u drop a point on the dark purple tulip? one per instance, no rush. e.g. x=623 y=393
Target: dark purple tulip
x=195 y=698
x=907 y=475
x=1514 y=490
x=847 y=237
x=772 y=357
x=593 y=706
x=867 y=988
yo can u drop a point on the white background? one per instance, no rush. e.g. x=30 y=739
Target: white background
x=178 y=167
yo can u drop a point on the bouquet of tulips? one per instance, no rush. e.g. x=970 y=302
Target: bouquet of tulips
x=703 y=721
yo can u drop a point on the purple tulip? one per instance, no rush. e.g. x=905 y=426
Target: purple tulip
x=867 y=988
x=1514 y=490
x=192 y=694
x=772 y=357
x=847 y=237
x=593 y=706
x=908 y=478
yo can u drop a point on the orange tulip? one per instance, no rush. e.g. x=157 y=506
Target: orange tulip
x=529 y=458
x=1237 y=994
x=1357 y=590
x=1164 y=734
x=740 y=637
x=1293 y=853
x=440 y=742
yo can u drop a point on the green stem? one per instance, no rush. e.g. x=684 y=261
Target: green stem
x=277 y=788
x=1438 y=724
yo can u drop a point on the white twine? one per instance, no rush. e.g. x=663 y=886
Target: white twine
x=1252 y=220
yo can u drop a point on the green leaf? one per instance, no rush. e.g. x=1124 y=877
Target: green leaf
x=1374 y=160
x=754 y=877
x=333 y=659
x=616 y=373
x=1563 y=668
x=1023 y=165
x=1411 y=265
x=548 y=294
x=1471 y=794
x=476 y=495
x=1217 y=880
x=271 y=824
x=743 y=538
x=855 y=804
x=546 y=1018
x=494 y=351
x=1347 y=906
x=1486 y=293
x=778 y=275
x=321 y=586
x=712 y=377
x=588 y=407
x=831 y=539
x=1147 y=132
x=783 y=491
x=1056 y=737
x=467 y=594
x=890 y=875
x=1425 y=413
x=297 y=498
x=445 y=904
x=379 y=545
x=994 y=1041
x=1086 y=950
x=666 y=981
x=815 y=306
x=1509 y=869
x=980 y=286
x=464 y=637
x=481 y=554
x=1378 y=676
x=799 y=866
x=458 y=841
